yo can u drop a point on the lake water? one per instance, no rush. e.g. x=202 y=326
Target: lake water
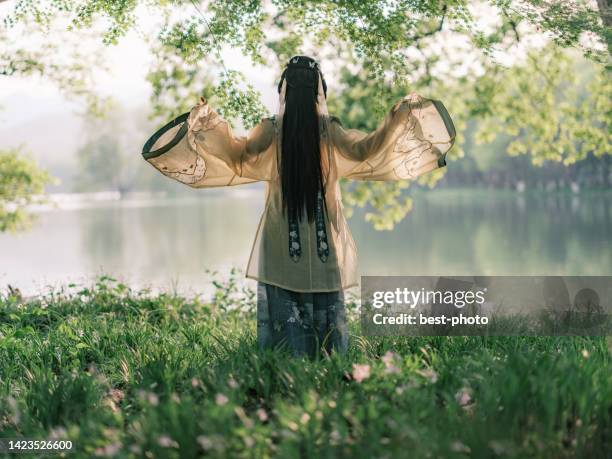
x=170 y=243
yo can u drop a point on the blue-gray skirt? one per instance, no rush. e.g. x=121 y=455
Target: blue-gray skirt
x=304 y=323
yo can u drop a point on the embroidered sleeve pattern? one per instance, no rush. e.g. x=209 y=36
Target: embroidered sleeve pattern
x=202 y=120
x=412 y=140
x=187 y=175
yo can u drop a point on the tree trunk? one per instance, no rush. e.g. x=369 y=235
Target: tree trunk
x=605 y=11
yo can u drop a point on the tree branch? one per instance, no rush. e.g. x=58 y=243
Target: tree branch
x=434 y=31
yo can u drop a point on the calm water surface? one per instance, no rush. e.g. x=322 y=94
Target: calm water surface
x=169 y=244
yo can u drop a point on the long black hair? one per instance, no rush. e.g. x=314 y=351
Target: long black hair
x=300 y=162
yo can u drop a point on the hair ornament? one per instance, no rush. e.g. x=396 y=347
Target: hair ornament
x=304 y=62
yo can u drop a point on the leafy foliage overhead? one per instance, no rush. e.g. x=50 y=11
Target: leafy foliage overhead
x=500 y=63
x=388 y=37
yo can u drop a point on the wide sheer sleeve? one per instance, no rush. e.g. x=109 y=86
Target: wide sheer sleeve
x=412 y=140
x=199 y=149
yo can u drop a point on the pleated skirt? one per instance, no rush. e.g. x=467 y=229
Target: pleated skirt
x=306 y=324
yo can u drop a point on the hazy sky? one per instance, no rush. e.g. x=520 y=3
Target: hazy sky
x=24 y=98
x=38 y=117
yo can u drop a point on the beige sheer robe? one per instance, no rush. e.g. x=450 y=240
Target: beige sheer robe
x=199 y=150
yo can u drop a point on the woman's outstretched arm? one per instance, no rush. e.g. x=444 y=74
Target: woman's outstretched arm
x=412 y=140
x=199 y=149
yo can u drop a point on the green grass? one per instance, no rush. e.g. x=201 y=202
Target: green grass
x=130 y=374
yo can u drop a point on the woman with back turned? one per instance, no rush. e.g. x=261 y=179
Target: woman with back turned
x=304 y=255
